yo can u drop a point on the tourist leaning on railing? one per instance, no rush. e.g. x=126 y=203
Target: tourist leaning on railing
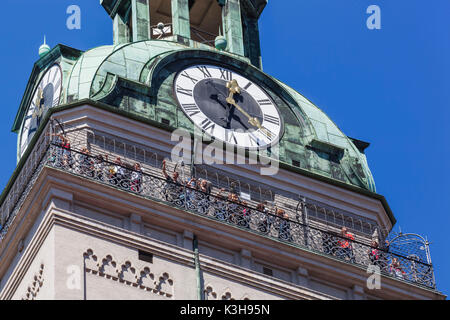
x=346 y=245
x=396 y=269
x=284 y=229
x=136 y=178
x=374 y=254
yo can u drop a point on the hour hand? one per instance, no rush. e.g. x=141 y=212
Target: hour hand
x=233 y=87
x=253 y=121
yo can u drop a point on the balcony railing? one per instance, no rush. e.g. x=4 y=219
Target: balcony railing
x=227 y=210
x=162 y=31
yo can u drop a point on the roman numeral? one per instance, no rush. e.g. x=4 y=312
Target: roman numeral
x=248 y=86
x=46 y=78
x=205 y=71
x=186 y=92
x=191 y=109
x=272 y=119
x=226 y=75
x=186 y=75
x=208 y=125
x=264 y=102
x=54 y=75
x=229 y=137
x=57 y=85
x=31 y=131
x=267 y=133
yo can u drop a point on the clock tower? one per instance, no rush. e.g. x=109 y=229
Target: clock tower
x=102 y=206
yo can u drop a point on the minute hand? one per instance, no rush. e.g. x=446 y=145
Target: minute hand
x=253 y=121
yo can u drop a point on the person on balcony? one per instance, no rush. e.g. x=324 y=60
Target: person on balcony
x=220 y=204
x=56 y=156
x=244 y=218
x=173 y=190
x=266 y=219
x=374 y=254
x=396 y=269
x=284 y=229
x=136 y=178
x=192 y=186
x=116 y=172
x=233 y=207
x=85 y=162
x=345 y=244
x=66 y=153
x=384 y=256
x=204 y=196
x=99 y=167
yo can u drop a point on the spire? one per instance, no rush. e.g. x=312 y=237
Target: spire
x=44 y=49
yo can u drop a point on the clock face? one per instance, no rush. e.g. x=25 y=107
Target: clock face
x=228 y=106
x=46 y=96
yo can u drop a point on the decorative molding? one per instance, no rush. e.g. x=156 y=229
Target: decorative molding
x=210 y=294
x=35 y=286
x=227 y=295
x=129 y=274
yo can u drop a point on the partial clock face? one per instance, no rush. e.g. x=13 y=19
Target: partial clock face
x=228 y=106
x=46 y=95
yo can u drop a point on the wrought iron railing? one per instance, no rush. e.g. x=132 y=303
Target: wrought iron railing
x=222 y=208
x=162 y=31
x=23 y=181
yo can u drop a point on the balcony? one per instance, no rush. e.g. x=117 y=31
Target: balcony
x=297 y=226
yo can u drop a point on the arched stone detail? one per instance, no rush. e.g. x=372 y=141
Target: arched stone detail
x=227 y=295
x=210 y=294
x=127 y=273
x=108 y=267
x=35 y=286
x=146 y=279
x=91 y=261
x=165 y=285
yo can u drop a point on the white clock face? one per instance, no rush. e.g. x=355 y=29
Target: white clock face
x=228 y=106
x=46 y=96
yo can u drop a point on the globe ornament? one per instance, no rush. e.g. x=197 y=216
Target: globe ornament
x=221 y=43
x=160 y=26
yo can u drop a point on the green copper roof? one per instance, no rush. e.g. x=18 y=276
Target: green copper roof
x=124 y=76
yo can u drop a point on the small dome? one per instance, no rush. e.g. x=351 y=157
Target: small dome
x=44 y=49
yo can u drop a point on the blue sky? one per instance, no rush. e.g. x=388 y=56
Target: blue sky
x=389 y=87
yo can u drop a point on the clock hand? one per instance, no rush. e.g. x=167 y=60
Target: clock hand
x=38 y=103
x=234 y=88
x=253 y=121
